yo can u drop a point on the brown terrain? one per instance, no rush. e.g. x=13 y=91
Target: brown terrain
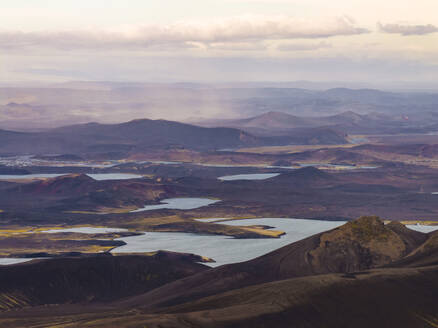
x=336 y=167
x=375 y=275
x=91 y=279
x=397 y=192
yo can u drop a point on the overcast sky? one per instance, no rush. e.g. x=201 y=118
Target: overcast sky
x=375 y=41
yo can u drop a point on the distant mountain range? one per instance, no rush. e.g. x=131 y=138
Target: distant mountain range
x=81 y=102
x=122 y=138
x=279 y=123
x=267 y=129
x=142 y=135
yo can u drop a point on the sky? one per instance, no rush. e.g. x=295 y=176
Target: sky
x=373 y=41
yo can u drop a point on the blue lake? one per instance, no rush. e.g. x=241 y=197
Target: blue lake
x=225 y=249
x=114 y=176
x=98 y=176
x=179 y=204
x=28 y=176
x=422 y=228
x=257 y=176
x=9 y=261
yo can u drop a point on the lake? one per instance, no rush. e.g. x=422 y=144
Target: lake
x=179 y=204
x=257 y=176
x=29 y=176
x=422 y=228
x=9 y=261
x=225 y=249
x=166 y=162
x=97 y=176
x=114 y=176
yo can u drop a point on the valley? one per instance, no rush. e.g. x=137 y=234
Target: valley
x=218 y=164
x=306 y=277
x=247 y=222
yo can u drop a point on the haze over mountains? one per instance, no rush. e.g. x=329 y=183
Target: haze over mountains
x=109 y=102
x=268 y=129
x=219 y=164
x=280 y=123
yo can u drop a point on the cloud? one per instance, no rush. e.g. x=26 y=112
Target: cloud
x=238 y=30
x=303 y=46
x=406 y=30
x=237 y=46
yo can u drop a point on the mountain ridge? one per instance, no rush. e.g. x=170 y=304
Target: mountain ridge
x=143 y=135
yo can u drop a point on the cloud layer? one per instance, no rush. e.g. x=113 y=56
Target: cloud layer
x=237 y=30
x=303 y=46
x=406 y=30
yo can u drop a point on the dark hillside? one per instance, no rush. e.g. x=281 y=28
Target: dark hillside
x=358 y=245
x=90 y=279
